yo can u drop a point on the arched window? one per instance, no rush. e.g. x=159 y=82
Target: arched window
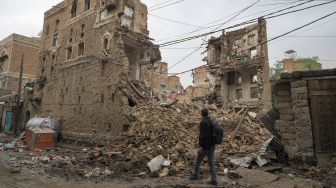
x=74 y=9
x=47 y=29
x=56 y=25
x=87 y=5
x=106 y=41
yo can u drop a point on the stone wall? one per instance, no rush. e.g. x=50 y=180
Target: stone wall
x=294 y=125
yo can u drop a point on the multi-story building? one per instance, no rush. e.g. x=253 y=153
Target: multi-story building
x=13 y=50
x=91 y=51
x=239 y=61
x=174 y=85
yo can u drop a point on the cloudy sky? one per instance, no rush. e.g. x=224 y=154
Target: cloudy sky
x=26 y=17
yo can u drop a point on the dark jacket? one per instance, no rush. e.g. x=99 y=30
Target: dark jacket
x=205 y=135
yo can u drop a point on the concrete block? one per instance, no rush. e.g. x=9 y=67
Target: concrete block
x=288 y=136
x=287 y=117
x=299 y=96
x=297 y=84
x=284 y=98
x=299 y=103
x=283 y=93
x=301 y=90
x=281 y=105
x=285 y=111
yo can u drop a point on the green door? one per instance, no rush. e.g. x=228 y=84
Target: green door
x=8 y=121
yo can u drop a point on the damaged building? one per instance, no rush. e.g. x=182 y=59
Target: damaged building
x=239 y=62
x=92 y=53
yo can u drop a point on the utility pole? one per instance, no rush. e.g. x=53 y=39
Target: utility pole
x=18 y=96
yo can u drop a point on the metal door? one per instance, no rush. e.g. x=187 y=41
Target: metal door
x=323 y=113
x=8 y=121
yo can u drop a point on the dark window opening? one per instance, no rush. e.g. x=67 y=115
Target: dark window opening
x=106 y=43
x=102 y=98
x=232 y=78
x=55 y=40
x=239 y=94
x=51 y=70
x=47 y=30
x=81 y=49
x=69 y=53
x=53 y=58
x=87 y=5
x=131 y=102
x=254 y=92
x=57 y=25
x=70 y=40
x=79 y=99
x=83 y=27
x=82 y=35
x=74 y=9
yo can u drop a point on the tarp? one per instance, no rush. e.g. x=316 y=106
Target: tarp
x=44 y=122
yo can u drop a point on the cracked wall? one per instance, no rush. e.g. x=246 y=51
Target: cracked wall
x=239 y=62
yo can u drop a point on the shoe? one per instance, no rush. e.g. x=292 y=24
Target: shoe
x=192 y=177
x=212 y=182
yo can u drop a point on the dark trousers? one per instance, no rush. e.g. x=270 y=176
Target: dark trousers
x=210 y=153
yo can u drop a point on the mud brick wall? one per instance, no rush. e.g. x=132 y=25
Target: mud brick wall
x=294 y=124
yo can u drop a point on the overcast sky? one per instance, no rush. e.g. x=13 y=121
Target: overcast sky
x=26 y=17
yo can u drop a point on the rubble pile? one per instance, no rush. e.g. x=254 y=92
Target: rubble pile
x=166 y=133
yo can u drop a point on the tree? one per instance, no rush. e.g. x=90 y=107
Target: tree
x=310 y=64
x=276 y=71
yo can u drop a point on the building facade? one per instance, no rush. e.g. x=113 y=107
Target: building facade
x=239 y=62
x=11 y=50
x=91 y=51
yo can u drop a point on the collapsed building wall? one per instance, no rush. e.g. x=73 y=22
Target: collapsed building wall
x=92 y=51
x=239 y=61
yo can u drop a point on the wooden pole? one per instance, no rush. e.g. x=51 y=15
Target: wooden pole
x=240 y=123
x=18 y=96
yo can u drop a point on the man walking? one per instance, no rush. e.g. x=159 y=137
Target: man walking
x=206 y=148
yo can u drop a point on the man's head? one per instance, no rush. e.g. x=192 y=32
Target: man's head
x=205 y=112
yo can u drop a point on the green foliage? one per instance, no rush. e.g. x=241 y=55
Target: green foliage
x=310 y=64
x=276 y=71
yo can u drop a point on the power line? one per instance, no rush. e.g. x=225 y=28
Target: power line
x=176 y=21
x=243 y=23
x=194 y=51
x=279 y=36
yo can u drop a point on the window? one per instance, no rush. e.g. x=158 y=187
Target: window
x=254 y=92
x=236 y=44
x=47 y=30
x=57 y=25
x=55 y=40
x=253 y=52
x=105 y=45
x=81 y=49
x=162 y=87
x=239 y=94
x=87 y=5
x=74 y=9
x=53 y=58
x=254 y=79
x=82 y=35
x=239 y=79
x=251 y=39
x=83 y=27
x=232 y=78
x=69 y=53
